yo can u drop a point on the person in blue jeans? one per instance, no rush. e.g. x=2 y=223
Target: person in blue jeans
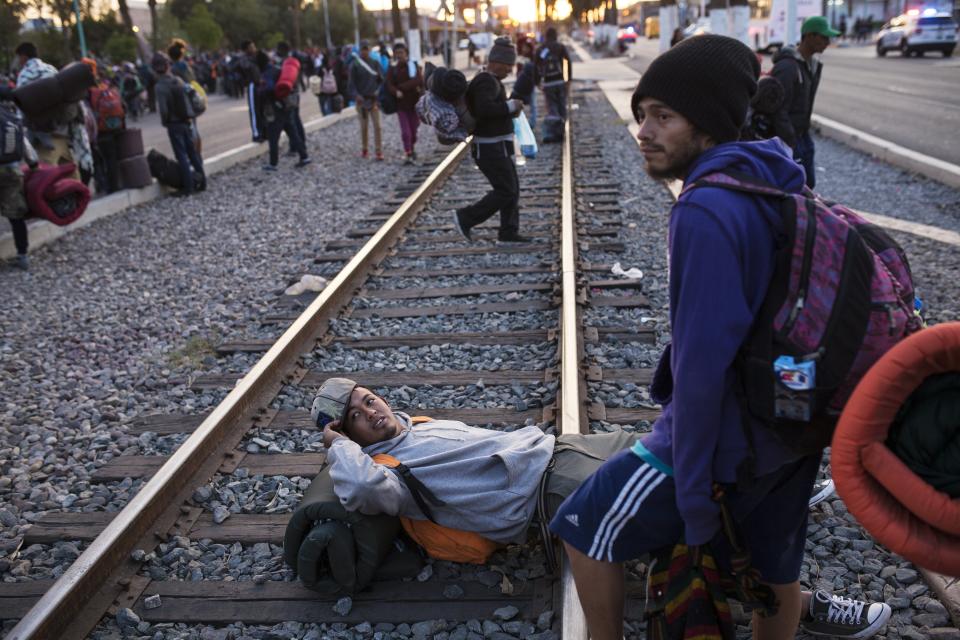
x=177 y=116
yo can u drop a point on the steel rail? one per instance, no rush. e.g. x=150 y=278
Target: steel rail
x=572 y=414
x=69 y=595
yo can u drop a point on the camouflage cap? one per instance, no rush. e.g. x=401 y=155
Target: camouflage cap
x=331 y=401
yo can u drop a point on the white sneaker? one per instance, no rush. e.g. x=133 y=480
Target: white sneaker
x=833 y=615
x=822 y=491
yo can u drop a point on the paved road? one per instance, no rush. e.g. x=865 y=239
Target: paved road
x=224 y=125
x=912 y=102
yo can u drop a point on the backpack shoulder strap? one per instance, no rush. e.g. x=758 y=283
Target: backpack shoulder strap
x=736 y=181
x=421 y=494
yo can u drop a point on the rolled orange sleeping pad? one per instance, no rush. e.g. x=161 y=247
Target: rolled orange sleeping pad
x=289 y=73
x=897 y=507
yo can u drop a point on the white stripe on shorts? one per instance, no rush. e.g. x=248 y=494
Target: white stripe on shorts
x=635 y=485
x=633 y=511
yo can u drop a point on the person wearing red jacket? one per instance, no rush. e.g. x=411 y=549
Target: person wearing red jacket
x=405 y=81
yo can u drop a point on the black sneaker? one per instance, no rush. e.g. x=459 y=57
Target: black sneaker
x=833 y=615
x=513 y=237
x=304 y=162
x=462 y=230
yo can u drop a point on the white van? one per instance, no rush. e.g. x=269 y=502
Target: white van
x=769 y=34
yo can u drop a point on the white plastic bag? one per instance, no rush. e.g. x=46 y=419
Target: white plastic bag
x=525 y=138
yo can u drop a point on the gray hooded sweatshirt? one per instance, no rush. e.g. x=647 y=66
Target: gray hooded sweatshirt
x=488 y=479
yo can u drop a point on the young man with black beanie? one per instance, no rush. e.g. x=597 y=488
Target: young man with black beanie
x=691 y=104
x=492 y=148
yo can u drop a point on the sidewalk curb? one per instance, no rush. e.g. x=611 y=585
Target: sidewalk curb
x=939 y=170
x=42 y=232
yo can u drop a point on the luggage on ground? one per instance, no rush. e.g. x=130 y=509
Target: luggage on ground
x=135 y=173
x=167 y=171
x=129 y=143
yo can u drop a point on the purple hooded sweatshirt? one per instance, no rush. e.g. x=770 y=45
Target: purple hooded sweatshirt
x=721 y=262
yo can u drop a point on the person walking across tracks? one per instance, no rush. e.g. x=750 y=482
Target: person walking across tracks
x=493 y=148
x=554 y=71
x=691 y=104
x=798 y=70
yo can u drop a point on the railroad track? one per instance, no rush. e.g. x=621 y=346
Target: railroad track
x=404 y=285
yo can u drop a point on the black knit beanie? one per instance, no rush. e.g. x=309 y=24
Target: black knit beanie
x=708 y=79
x=503 y=51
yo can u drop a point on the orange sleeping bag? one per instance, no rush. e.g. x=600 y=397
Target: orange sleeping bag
x=900 y=509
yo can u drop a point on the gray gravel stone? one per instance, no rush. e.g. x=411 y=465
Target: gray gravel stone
x=453 y=592
x=152 y=602
x=343 y=606
x=506 y=613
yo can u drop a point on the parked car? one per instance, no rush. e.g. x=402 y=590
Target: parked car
x=916 y=33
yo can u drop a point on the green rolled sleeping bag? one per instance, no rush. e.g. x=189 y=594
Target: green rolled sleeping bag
x=333 y=550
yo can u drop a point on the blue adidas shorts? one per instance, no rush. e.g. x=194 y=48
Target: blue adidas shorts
x=628 y=509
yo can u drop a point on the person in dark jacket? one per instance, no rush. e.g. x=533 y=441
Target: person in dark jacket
x=365 y=79
x=554 y=71
x=405 y=81
x=691 y=104
x=293 y=100
x=279 y=114
x=249 y=74
x=176 y=115
x=493 y=148
x=798 y=70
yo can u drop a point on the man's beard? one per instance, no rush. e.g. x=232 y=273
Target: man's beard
x=679 y=160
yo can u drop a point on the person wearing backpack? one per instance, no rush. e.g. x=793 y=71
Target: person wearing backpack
x=62 y=138
x=405 y=81
x=733 y=235
x=278 y=114
x=365 y=79
x=328 y=84
x=554 y=71
x=176 y=114
x=107 y=106
x=493 y=149
x=798 y=71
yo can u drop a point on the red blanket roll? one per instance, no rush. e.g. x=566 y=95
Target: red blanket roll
x=53 y=196
x=289 y=73
x=901 y=510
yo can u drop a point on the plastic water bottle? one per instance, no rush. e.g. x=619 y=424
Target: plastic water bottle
x=796 y=383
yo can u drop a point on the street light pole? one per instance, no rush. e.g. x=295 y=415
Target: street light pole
x=326 y=24
x=356 y=25
x=83 y=40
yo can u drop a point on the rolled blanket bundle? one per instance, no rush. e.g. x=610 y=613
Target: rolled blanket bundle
x=896 y=451
x=53 y=196
x=41 y=96
x=334 y=550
